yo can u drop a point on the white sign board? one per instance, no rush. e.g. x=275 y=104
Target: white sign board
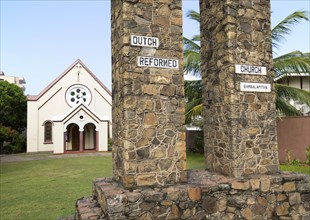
x=255 y=87
x=251 y=70
x=158 y=62
x=144 y=41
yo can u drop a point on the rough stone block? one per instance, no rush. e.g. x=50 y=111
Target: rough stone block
x=172 y=193
x=209 y=204
x=241 y=185
x=222 y=204
x=281 y=197
x=247 y=213
x=283 y=209
x=265 y=185
x=153 y=196
x=255 y=184
x=146 y=179
x=174 y=212
x=194 y=193
x=289 y=187
x=133 y=196
x=262 y=201
x=294 y=198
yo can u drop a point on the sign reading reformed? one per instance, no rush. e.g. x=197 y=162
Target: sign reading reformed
x=255 y=87
x=252 y=70
x=144 y=41
x=158 y=62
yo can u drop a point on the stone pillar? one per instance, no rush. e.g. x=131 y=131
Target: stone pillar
x=240 y=126
x=148 y=106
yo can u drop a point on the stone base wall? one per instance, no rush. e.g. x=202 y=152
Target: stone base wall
x=205 y=196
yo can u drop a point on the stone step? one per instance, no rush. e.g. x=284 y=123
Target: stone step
x=87 y=208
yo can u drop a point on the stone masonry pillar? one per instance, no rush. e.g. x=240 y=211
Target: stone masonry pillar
x=148 y=106
x=239 y=98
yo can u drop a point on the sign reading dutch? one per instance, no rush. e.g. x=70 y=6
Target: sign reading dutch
x=144 y=41
x=255 y=87
x=158 y=62
x=249 y=69
x=152 y=61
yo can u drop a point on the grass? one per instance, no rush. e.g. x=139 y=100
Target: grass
x=195 y=161
x=48 y=189
x=296 y=168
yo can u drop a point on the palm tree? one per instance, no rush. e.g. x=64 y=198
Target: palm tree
x=294 y=62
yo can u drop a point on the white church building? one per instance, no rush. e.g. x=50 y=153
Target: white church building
x=72 y=114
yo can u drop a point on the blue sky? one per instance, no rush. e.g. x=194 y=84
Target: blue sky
x=40 y=39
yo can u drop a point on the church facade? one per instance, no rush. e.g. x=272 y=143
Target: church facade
x=72 y=114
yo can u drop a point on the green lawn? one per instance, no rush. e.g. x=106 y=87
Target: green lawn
x=295 y=168
x=48 y=189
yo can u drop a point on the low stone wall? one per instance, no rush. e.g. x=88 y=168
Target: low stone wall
x=205 y=196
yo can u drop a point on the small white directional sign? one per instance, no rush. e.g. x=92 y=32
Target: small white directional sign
x=144 y=41
x=251 y=70
x=158 y=62
x=255 y=87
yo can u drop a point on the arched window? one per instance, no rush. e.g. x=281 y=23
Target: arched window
x=48 y=131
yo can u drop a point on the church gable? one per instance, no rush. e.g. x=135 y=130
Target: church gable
x=76 y=73
x=75 y=95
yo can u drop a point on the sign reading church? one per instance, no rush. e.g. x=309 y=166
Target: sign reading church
x=71 y=114
x=249 y=69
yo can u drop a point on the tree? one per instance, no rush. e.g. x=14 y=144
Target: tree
x=13 y=112
x=294 y=62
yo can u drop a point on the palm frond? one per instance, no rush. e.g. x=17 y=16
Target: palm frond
x=285 y=108
x=294 y=62
x=284 y=27
x=288 y=92
x=193 y=110
x=192 y=64
x=190 y=45
x=196 y=38
x=193 y=89
x=194 y=15
x=192 y=57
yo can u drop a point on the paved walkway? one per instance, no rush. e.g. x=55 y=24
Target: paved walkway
x=6 y=158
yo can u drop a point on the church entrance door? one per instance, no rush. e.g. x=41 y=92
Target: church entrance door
x=75 y=138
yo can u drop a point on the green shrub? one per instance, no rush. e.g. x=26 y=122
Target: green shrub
x=17 y=145
x=199 y=144
x=295 y=162
x=110 y=144
x=307 y=161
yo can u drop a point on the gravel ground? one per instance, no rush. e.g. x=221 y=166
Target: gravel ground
x=7 y=158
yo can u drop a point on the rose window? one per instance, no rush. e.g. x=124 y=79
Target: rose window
x=77 y=95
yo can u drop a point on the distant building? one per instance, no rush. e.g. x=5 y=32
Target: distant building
x=20 y=81
x=72 y=114
x=296 y=80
